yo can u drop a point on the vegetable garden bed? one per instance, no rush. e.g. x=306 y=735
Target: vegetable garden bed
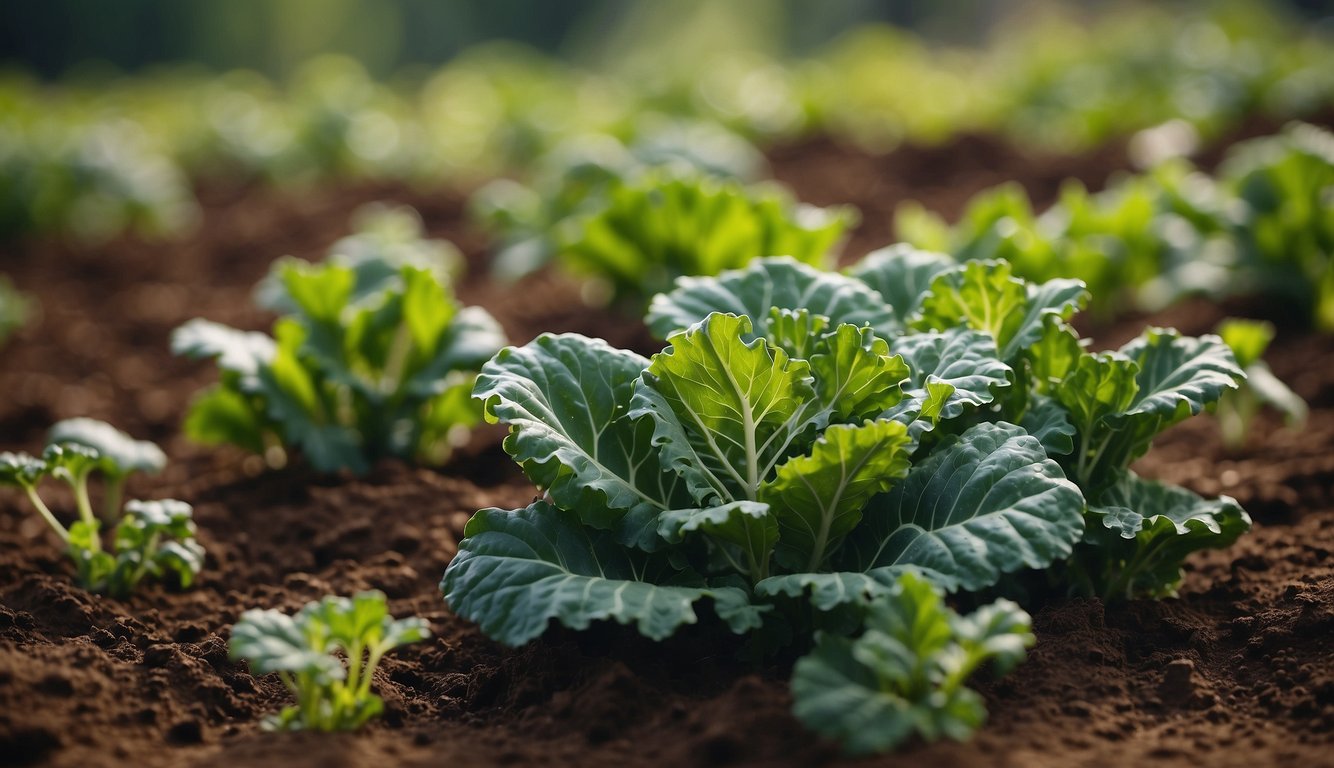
x=1236 y=671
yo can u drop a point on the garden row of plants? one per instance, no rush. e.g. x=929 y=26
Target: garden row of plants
x=811 y=463
x=94 y=160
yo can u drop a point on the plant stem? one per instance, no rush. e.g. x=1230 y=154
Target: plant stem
x=114 y=489
x=45 y=512
x=86 y=510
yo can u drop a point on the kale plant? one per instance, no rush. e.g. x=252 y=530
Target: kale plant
x=787 y=470
x=657 y=227
x=332 y=693
x=375 y=358
x=1264 y=225
x=574 y=178
x=151 y=538
x=1094 y=413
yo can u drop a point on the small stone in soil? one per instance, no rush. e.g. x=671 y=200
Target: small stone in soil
x=186 y=732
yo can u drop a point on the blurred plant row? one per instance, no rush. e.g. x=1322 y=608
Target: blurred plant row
x=94 y=160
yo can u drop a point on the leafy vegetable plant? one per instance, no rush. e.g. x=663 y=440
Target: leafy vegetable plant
x=905 y=673
x=575 y=177
x=1094 y=413
x=375 y=358
x=1264 y=225
x=658 y=227
x=332 y=693
x=788 y=470
x=151 y=538
x=1248 y=340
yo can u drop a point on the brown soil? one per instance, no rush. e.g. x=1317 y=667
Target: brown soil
x=1238 y=671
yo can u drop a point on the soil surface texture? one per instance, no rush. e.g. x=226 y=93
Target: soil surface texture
x=1237 y=671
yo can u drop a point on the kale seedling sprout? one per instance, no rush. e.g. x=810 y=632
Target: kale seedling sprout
x=152 y=538
x=330 y=695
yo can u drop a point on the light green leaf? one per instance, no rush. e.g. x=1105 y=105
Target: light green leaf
x=517 y=570
x=767 y=283
x=982 y=295
x=565 y=399
x=796 y=331
x=855 y=375
x=272 y=641
x=428 y=309
x=1098 y=386
x=320 y=291
x=983 y=504
x=818 y=498
x=1053 y=300
x=222 y=415
x=738 y=405
x=1054 y=355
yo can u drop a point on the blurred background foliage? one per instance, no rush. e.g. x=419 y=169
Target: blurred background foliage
x=110 y=111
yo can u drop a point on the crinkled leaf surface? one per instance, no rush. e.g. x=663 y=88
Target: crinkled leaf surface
x=984 y=503
x=964 y=359
x=745 y=524
x=565 y=399
x=818 y=498
x=737 y=406
x=767 y=283
x=1148 y=529
x=985 y=296
x=855 y=375
x=517 y=570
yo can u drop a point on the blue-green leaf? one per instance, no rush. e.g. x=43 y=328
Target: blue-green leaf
x=964 y=359
x=1141 y=531
x=902 y=275
x=565 y=399
x=779 y=282
x=983 y=504
x=517 y=570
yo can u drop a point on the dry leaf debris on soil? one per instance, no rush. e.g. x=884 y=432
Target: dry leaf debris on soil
x=1238 y=671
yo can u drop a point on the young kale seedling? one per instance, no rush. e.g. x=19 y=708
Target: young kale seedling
x=905 y=673
x=151 y=538
x=331 y=695
x=375 y=359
